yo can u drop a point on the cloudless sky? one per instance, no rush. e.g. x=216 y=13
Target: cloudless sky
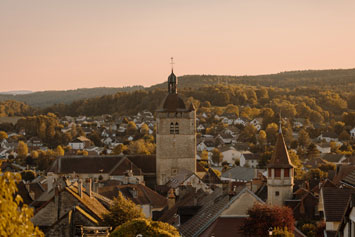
x=66 y=44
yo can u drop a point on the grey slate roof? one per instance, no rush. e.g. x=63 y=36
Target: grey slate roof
x=240 y=173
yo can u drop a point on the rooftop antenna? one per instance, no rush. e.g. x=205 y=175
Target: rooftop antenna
x=172 y=64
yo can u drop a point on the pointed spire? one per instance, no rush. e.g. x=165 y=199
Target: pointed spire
x=280 y=157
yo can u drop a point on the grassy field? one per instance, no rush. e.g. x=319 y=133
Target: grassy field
x=12 y=120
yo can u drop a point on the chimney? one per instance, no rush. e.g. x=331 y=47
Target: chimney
x=95 y=187
x=80 y=188
x=89 y=187
x=171 y=198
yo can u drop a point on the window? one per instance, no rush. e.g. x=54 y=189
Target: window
x=173 y=171
x=277 y=193
x=287 y=172
x=176 y=128
x=171 y=128
x=277 y=173
x=269 y=171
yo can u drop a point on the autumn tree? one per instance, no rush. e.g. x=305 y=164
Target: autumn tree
x=22 y=149
x=119 y=149
x=217 y=156
x=15 y=219
x=131 y=128
x=3 y=135
x=303 y=138
x=204 y=155
x=145 y=227
x=144 y=129
x=121 y=211
x=271 y=132
x=263 y=216
x=262 y=138
x=141 y=147
x=59 y=151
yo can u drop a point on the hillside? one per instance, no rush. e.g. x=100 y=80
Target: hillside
x=337 y=79
x=48 y=98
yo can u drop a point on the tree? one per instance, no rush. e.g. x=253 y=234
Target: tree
x=248 y=133
x=28 y=175
x=22 y=149
x=344 y=136
x=15 y=220
x=217 y=156
x=295 y=160
x=119 y=149
x=263 y=216
x=3 y=135
x=271 y=131
x=145 y=227
x=303 y=138
x=121 y=211
x=141 y=147
x=131 y=128
x=312 y=150
x=204 y=155
x=144 y=129
x=262 y=138
x=34 y=154
x=59 y=151
x=315 y=174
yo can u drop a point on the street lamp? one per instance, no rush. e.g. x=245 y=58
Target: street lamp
x=270 y=231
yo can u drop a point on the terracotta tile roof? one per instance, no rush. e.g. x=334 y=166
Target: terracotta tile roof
x=280 y=158
x=226 y=227
x=335 y=201
x=144 y=196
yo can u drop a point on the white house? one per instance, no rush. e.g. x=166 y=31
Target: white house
x=76 y=144
x=230 y=154
x=249 y=160
x=200 y=128
x=328 y=137
x=240 y=121
x=352 y=133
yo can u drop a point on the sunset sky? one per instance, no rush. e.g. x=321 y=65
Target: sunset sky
x=55 y=45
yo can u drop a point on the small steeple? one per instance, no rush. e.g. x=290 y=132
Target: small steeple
x=172 y=81
x=280 y=157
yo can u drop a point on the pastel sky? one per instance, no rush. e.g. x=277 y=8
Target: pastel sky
x=66 y=44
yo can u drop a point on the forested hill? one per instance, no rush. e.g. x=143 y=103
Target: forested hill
x=339 y=79
x=49 y=98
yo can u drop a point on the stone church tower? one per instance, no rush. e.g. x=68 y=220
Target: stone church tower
x=176 y=136
x=280 y=174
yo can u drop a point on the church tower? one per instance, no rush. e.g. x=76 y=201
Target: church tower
x=176 y=136
x=280 y=174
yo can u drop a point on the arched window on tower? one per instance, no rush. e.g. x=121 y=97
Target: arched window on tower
x=176 y=128
x=171 y=128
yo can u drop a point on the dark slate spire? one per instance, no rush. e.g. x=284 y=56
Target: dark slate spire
x=172 y=88
x=280 y=157
x=172 y=81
